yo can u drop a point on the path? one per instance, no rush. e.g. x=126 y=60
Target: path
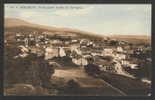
x=88 y=84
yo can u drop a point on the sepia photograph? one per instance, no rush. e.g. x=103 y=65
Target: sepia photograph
x=77 y=50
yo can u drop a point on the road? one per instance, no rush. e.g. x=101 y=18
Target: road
x=89 y=86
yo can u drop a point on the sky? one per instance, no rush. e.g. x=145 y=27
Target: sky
x=106 y=19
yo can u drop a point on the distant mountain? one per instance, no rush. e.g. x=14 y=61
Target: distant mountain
x=19 y=25
x=14 y=22
x=133 y=38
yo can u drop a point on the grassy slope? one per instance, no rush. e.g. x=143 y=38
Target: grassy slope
x=128 y=85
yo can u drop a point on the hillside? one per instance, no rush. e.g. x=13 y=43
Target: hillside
x=17 y=25
x=133 y=38
x=13 y=22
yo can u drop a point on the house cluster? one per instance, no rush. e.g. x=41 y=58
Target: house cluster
x=111 y=55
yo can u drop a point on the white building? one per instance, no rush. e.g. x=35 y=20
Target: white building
x=95 y=54
x=124 y=62
x=62 y=52
x=80 y=61
x=74 y=41
x=76 y=48
x=23 y=49
x=119 y=49
x=107 y=52
x=120 y=56
x=133 y=66
x=51 y=52
x=119 y=70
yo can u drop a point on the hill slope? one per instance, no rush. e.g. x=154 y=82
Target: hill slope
x=18 y=25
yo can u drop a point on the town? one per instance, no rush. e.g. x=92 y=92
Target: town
x=69 y=51
x=111 y=55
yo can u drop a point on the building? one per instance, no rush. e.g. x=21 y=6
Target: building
x=51 y=52
x=62 y=52
x=107 y=52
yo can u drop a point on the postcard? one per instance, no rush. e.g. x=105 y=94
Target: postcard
x=77 y=49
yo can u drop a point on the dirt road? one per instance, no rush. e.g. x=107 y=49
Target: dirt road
x=88 y=85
